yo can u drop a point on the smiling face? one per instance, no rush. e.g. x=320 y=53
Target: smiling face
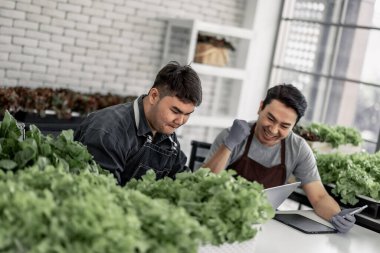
x=275 y=122
x=166 y=114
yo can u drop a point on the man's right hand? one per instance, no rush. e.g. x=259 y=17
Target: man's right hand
x=239 y=131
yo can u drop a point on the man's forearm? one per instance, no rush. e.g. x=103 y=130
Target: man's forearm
x=219 y=160
x=326 y=207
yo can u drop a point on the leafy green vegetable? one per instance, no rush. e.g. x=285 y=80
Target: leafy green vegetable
x=55 y=198
x=60 y=151
x=56 y=211
x=8 y=127
x=51 y=211
x=335 y=135
x=226 y=205
x=7 y=164
x=356 y=174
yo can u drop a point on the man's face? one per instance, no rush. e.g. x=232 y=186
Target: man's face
x=275 y=122
x=169 y=113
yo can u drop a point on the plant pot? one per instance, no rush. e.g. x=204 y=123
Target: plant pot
x=326 y=148
x=373 y=209
x=50 y=123
x=209 y=54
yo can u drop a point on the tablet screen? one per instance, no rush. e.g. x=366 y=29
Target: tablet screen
x=304 y=224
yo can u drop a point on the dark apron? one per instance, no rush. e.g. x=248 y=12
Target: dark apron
x=254 y=171
x=149 y=156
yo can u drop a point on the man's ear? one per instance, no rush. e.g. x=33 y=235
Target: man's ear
x=154 y=95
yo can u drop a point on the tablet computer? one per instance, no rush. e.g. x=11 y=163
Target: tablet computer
x=304 y=224
x=277 y=195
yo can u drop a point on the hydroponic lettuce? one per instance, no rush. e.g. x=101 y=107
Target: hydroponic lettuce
x=335 y=135
x=16 y=154
x=353 y=175
x=56 y=211
x=54 y=200
x=226 y=205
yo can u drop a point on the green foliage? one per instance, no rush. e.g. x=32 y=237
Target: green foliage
x=56 y=211
x=351 y=135
x=356 y=174
x=226 y=205
x=335 y=135
x=62 y=101
x=17 y=154
x=55 y=198
x=8 y=127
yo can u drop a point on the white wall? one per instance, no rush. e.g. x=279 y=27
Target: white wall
x=90 y=45
x=265 y=22
x=116 y=45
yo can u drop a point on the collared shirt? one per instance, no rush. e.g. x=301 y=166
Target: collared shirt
x=112 y=137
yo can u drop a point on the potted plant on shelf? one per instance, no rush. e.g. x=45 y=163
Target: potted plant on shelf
x=212 y=50
x=323 y=138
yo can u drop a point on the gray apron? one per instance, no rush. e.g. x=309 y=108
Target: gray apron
x=149 y=156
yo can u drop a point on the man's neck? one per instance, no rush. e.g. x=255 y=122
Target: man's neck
x=147 y=110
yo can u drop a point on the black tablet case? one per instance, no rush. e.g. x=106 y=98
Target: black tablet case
x=304 y=224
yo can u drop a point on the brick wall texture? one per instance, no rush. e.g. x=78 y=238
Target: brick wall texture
x=95 y=46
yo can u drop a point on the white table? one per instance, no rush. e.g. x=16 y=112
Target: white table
x=278 y=237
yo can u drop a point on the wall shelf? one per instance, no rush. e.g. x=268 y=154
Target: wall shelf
x=216 y=29
x=224 y=72
x=213 y=121
x=226 y=84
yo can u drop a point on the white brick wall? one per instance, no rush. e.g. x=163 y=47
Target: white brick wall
x=115 y=44
x=45 y=3
x=96 y=45
x=21 y=58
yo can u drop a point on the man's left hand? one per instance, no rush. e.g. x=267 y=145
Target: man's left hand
x=343 y=225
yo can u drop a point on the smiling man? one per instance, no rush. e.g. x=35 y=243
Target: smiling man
x=267 y=151
x=129 y=139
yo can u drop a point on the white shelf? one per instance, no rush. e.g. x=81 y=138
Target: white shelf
x=180 y=44
x=202 y=26
x=225 y=72
x=210 y=121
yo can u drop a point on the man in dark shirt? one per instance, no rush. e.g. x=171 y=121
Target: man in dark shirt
x=128 y=139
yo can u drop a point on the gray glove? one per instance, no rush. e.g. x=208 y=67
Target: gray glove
x=239 y=131
x=343 y=225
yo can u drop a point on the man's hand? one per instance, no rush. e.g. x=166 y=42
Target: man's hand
x=343 y=225
x=239 y=131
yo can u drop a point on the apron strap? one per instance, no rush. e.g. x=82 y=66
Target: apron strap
x=283 y=152
x=248 y=145
x=136 y=112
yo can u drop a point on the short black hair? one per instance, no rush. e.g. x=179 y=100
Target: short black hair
x=180 y=81
x=288 y=95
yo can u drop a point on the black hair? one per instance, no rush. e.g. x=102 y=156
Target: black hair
x=180 y=81
x=288 y=95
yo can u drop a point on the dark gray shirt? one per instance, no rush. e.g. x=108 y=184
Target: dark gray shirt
x=112 y=137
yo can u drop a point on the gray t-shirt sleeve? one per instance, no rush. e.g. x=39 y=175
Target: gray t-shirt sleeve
x=219 y=140
x=305 y=169
x=216 y=144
